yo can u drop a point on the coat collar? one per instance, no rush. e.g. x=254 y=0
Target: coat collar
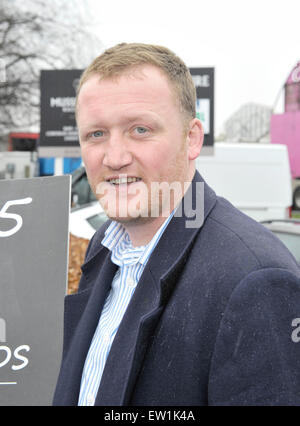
x=153 y=291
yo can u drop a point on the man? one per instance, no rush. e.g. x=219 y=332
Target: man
x=171 y=310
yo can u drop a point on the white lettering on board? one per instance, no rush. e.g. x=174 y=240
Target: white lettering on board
x=16 y=217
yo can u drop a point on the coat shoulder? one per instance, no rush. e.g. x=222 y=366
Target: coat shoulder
x=239 y=233
x=95 y=242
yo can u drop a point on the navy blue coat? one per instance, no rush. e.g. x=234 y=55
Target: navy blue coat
x=210 y=322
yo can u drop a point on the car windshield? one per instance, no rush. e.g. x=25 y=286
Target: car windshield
x=292 y=241
x=97 y=220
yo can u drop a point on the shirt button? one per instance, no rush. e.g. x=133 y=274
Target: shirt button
x=106 y=337
x=131 y=282
x=90 y=399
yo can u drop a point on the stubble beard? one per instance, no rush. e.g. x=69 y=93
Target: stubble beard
x=158 y=199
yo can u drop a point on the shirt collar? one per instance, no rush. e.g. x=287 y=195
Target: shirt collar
x=117 y=240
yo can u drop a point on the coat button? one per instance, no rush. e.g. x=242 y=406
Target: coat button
x=130 y=282
x=106 y=337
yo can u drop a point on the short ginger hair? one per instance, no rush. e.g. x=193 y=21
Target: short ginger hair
x=117 y=60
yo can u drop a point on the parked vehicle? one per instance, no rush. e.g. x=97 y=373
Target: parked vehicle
x=86 y=219
x=81 y=190
x=254 y=177
x=288 y=231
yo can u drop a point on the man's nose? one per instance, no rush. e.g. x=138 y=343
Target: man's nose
x=117 y=154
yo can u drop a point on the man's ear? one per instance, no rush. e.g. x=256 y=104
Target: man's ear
x=195 y=138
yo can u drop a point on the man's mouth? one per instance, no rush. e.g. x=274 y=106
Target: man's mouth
x=123 y=180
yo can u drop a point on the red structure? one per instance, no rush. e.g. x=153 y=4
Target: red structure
x=285 y=128
x=292 y=90
x=20 y=141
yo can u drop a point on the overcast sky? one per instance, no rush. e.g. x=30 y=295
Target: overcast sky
x=253 y=44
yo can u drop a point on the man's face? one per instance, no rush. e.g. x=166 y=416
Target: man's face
x=131 y=129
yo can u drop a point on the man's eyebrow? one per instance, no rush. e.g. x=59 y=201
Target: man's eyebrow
x=127 y=118
x=140 y=117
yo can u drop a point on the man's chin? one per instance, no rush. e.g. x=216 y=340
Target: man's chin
x=125 y=219
x=120 y=219
x=124 y=212
x=129 y=219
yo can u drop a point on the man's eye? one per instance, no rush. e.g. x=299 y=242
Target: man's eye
x=141 y=130
x=97 y=134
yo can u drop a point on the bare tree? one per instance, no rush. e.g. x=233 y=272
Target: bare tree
x=36 y=35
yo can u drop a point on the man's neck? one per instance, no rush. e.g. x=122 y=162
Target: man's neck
x=142 y=232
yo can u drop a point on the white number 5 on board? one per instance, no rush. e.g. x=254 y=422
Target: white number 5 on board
x=16 y=217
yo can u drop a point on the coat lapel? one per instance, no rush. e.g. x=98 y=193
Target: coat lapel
x=82 y=311
x=130 y=343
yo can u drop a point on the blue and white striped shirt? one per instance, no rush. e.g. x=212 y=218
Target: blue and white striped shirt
x=131 y=261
